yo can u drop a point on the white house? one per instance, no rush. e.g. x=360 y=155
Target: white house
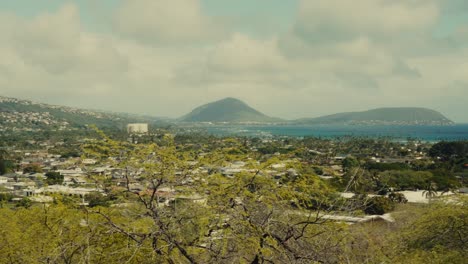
x=137 y=128
x=3 y=180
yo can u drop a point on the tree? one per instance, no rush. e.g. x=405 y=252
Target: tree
x=438 y=235
x=397 y=197
x=59 y=234
x=406 y=179
x=444 y=179
x=349 y=163
x=25 y=202
x=378 y=205
x=246 y=218
x=3 y=167
x=54 y=178
x=449 y=150
x=97 y=199
x=5 y=164
x=358 y=180
x=32 y=168
x=5 y=197
x=430 y=191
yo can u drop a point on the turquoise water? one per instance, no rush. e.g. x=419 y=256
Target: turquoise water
x=425 y=133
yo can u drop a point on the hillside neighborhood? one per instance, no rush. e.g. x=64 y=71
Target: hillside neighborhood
x=77 y=174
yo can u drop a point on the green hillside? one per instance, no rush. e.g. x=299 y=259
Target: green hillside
x=397 y=115
x=227 y=110
x=23 y=114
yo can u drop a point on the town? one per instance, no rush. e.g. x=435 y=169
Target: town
x=40 y=169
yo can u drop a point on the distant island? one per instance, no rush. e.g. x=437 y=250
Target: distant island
x=383 y=116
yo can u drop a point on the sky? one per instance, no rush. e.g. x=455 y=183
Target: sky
x=286 y=58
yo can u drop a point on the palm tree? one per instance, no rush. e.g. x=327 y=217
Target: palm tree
x=431 y=191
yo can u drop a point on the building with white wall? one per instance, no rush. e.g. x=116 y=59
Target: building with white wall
x=137 y=128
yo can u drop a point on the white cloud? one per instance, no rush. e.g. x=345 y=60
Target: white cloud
x=56 y=43
x=376 y=17
x=239 y=59
x=167 y=57
x=364 y=37
x=50 y=56
x=242 y=53
x=165 y=22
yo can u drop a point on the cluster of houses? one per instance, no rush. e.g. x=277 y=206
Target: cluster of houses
x=33 y=184
x=30 y=121
x=79 y=173
x=42 y=119
x=56 y=107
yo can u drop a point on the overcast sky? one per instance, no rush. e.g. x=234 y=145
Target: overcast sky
x=287 y=58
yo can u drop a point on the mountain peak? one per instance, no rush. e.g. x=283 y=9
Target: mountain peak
x=230 y=100
x=227 y=110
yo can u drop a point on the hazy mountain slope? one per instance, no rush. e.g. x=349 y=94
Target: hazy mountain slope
x=24 y=114
x=396 y=115
x=227 y=110
x=27 y=115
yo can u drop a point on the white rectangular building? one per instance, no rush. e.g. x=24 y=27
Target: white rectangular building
x=137 y=128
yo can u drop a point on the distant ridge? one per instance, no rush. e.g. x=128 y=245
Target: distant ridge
x=384 y=116
x=227 y=110
x=25 y=114
x=18 y=114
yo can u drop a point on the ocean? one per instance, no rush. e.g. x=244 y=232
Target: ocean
x=402 y=133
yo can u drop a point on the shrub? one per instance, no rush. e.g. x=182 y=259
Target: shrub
x=378 y=205
x=397 y=197
x=54 y=178
x=25 y=202
x=97 y=199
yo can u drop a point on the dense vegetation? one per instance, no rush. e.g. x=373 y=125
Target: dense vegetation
x=178 y=216
x=62 y=234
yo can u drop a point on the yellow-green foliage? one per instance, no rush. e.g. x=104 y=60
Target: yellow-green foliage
x=248 y=218
x=440 y=234
x=56 y=234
